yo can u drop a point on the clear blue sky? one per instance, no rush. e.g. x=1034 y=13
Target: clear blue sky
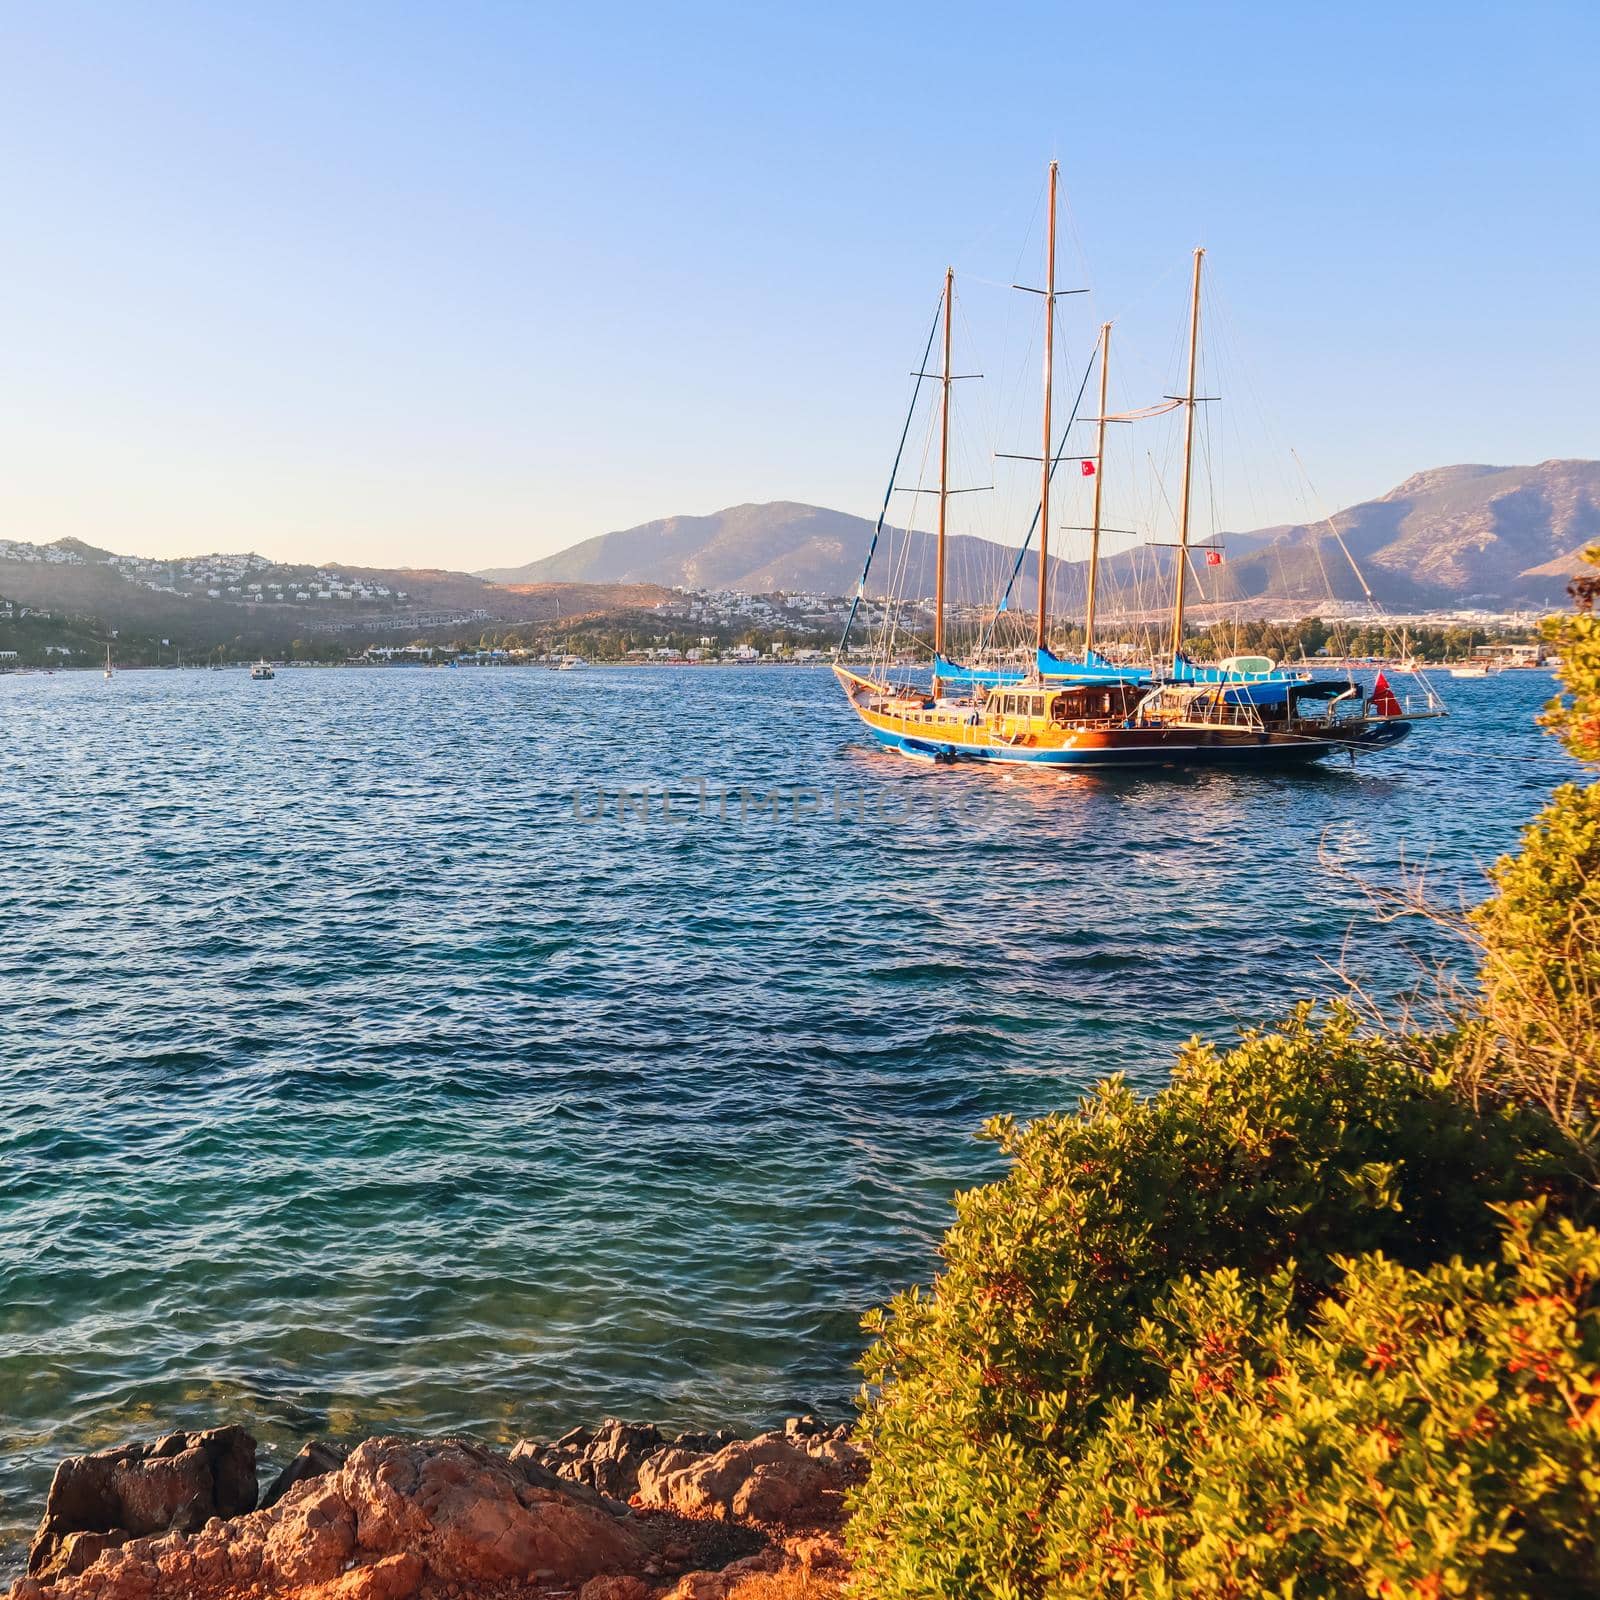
x=460 y=283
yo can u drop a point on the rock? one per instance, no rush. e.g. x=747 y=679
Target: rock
x=316 y=1459
x=698 y=1586
x=786 y=1493
x=817 y=1553
x=606 y=1460
x=720 y=1584
x=399 y=1519
x=771 y=1479
x=313 y=1536
x=656 y=1473
x=395 y=1577
x=622 y=1588
x=525 y=1457
x=179 y=1482
x=475 y=1517
x=79 y=1550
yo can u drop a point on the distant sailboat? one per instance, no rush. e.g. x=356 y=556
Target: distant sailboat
x=108 y=661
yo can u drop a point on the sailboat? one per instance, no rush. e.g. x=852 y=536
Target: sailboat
x=1271 y=679
x=1094 y=713
x=108 y=661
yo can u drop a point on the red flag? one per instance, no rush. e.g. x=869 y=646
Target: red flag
x=1088 y=469
x=1213 y=558
x=1384 y=703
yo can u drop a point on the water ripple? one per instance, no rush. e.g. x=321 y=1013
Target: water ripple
x=352 y=1080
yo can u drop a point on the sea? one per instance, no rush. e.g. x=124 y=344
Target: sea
x=495 y=1050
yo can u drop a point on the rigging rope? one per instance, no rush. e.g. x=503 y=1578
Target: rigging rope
x=983 y=643
x=888 y=494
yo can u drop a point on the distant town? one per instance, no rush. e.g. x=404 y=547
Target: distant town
x=228 y=608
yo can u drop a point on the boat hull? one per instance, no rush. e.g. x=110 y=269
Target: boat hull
x=1163 y=748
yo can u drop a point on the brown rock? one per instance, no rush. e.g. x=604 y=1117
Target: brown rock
x=706 y=1585
x=527 y=1459
x=616 y=1588
x=821 y=1552
x=395 y=1577
x=179 y=1482
x=312 y=1537
x=657 y=1473
x=314 y=1460
x=606 y=1460
x=788 y=1492
x=770 y=1479
x=77 y=1551
x=475 y=1517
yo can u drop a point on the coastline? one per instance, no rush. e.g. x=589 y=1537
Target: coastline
x=624 y=1511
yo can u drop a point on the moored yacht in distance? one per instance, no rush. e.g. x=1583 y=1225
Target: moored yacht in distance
x=262 y=669
x=1095 y=712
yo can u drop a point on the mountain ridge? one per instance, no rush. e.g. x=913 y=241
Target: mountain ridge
x=1466 y=532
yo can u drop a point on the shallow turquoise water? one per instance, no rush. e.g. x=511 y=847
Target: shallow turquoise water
x=355 y=1074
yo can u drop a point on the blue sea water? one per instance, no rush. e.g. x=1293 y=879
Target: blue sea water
x=364 y=1065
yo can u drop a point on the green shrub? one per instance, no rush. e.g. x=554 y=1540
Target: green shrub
x=1539 y=1014
x=1272 y=1160
x=1430 y=1433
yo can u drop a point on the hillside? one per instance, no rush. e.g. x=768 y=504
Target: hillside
x=1451 y=536
x=222 y=598
x=1468 y=533
x=753 y=549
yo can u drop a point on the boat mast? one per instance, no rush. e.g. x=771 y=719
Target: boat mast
x=1099 y=478
x=1049 y=364
x=1188 y=464
x=944 y=481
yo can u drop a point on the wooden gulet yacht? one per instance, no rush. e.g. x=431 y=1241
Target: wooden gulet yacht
x=1113 y=720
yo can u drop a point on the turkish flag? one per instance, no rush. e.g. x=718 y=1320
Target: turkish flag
x=1384 y=703
x=1088 y=469
x=1213 y=558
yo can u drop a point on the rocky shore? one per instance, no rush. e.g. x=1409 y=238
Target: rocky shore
x=621 y=1512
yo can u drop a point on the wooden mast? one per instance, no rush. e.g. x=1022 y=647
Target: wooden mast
x=944 y=481
x=1049 y=372
x=1188 y=464
x=1099 y=478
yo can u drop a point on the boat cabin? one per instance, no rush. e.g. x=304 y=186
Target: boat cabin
x=1033 y=707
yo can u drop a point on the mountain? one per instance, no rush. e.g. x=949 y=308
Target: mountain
x=780 y=545
x=1475 y=534
x=1498 y=536
x=751 y=549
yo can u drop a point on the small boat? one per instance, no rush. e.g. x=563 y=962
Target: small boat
x=108 y=661
x=1471 y=669
x=571 y=663
x=262 y=670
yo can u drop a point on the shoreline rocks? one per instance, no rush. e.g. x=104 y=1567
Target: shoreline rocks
x=99 y=1502
x=624 y=1511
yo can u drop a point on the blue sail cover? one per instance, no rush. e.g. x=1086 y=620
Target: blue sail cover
x=948 y=671
x=1094 y=668
x=1244 y=688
